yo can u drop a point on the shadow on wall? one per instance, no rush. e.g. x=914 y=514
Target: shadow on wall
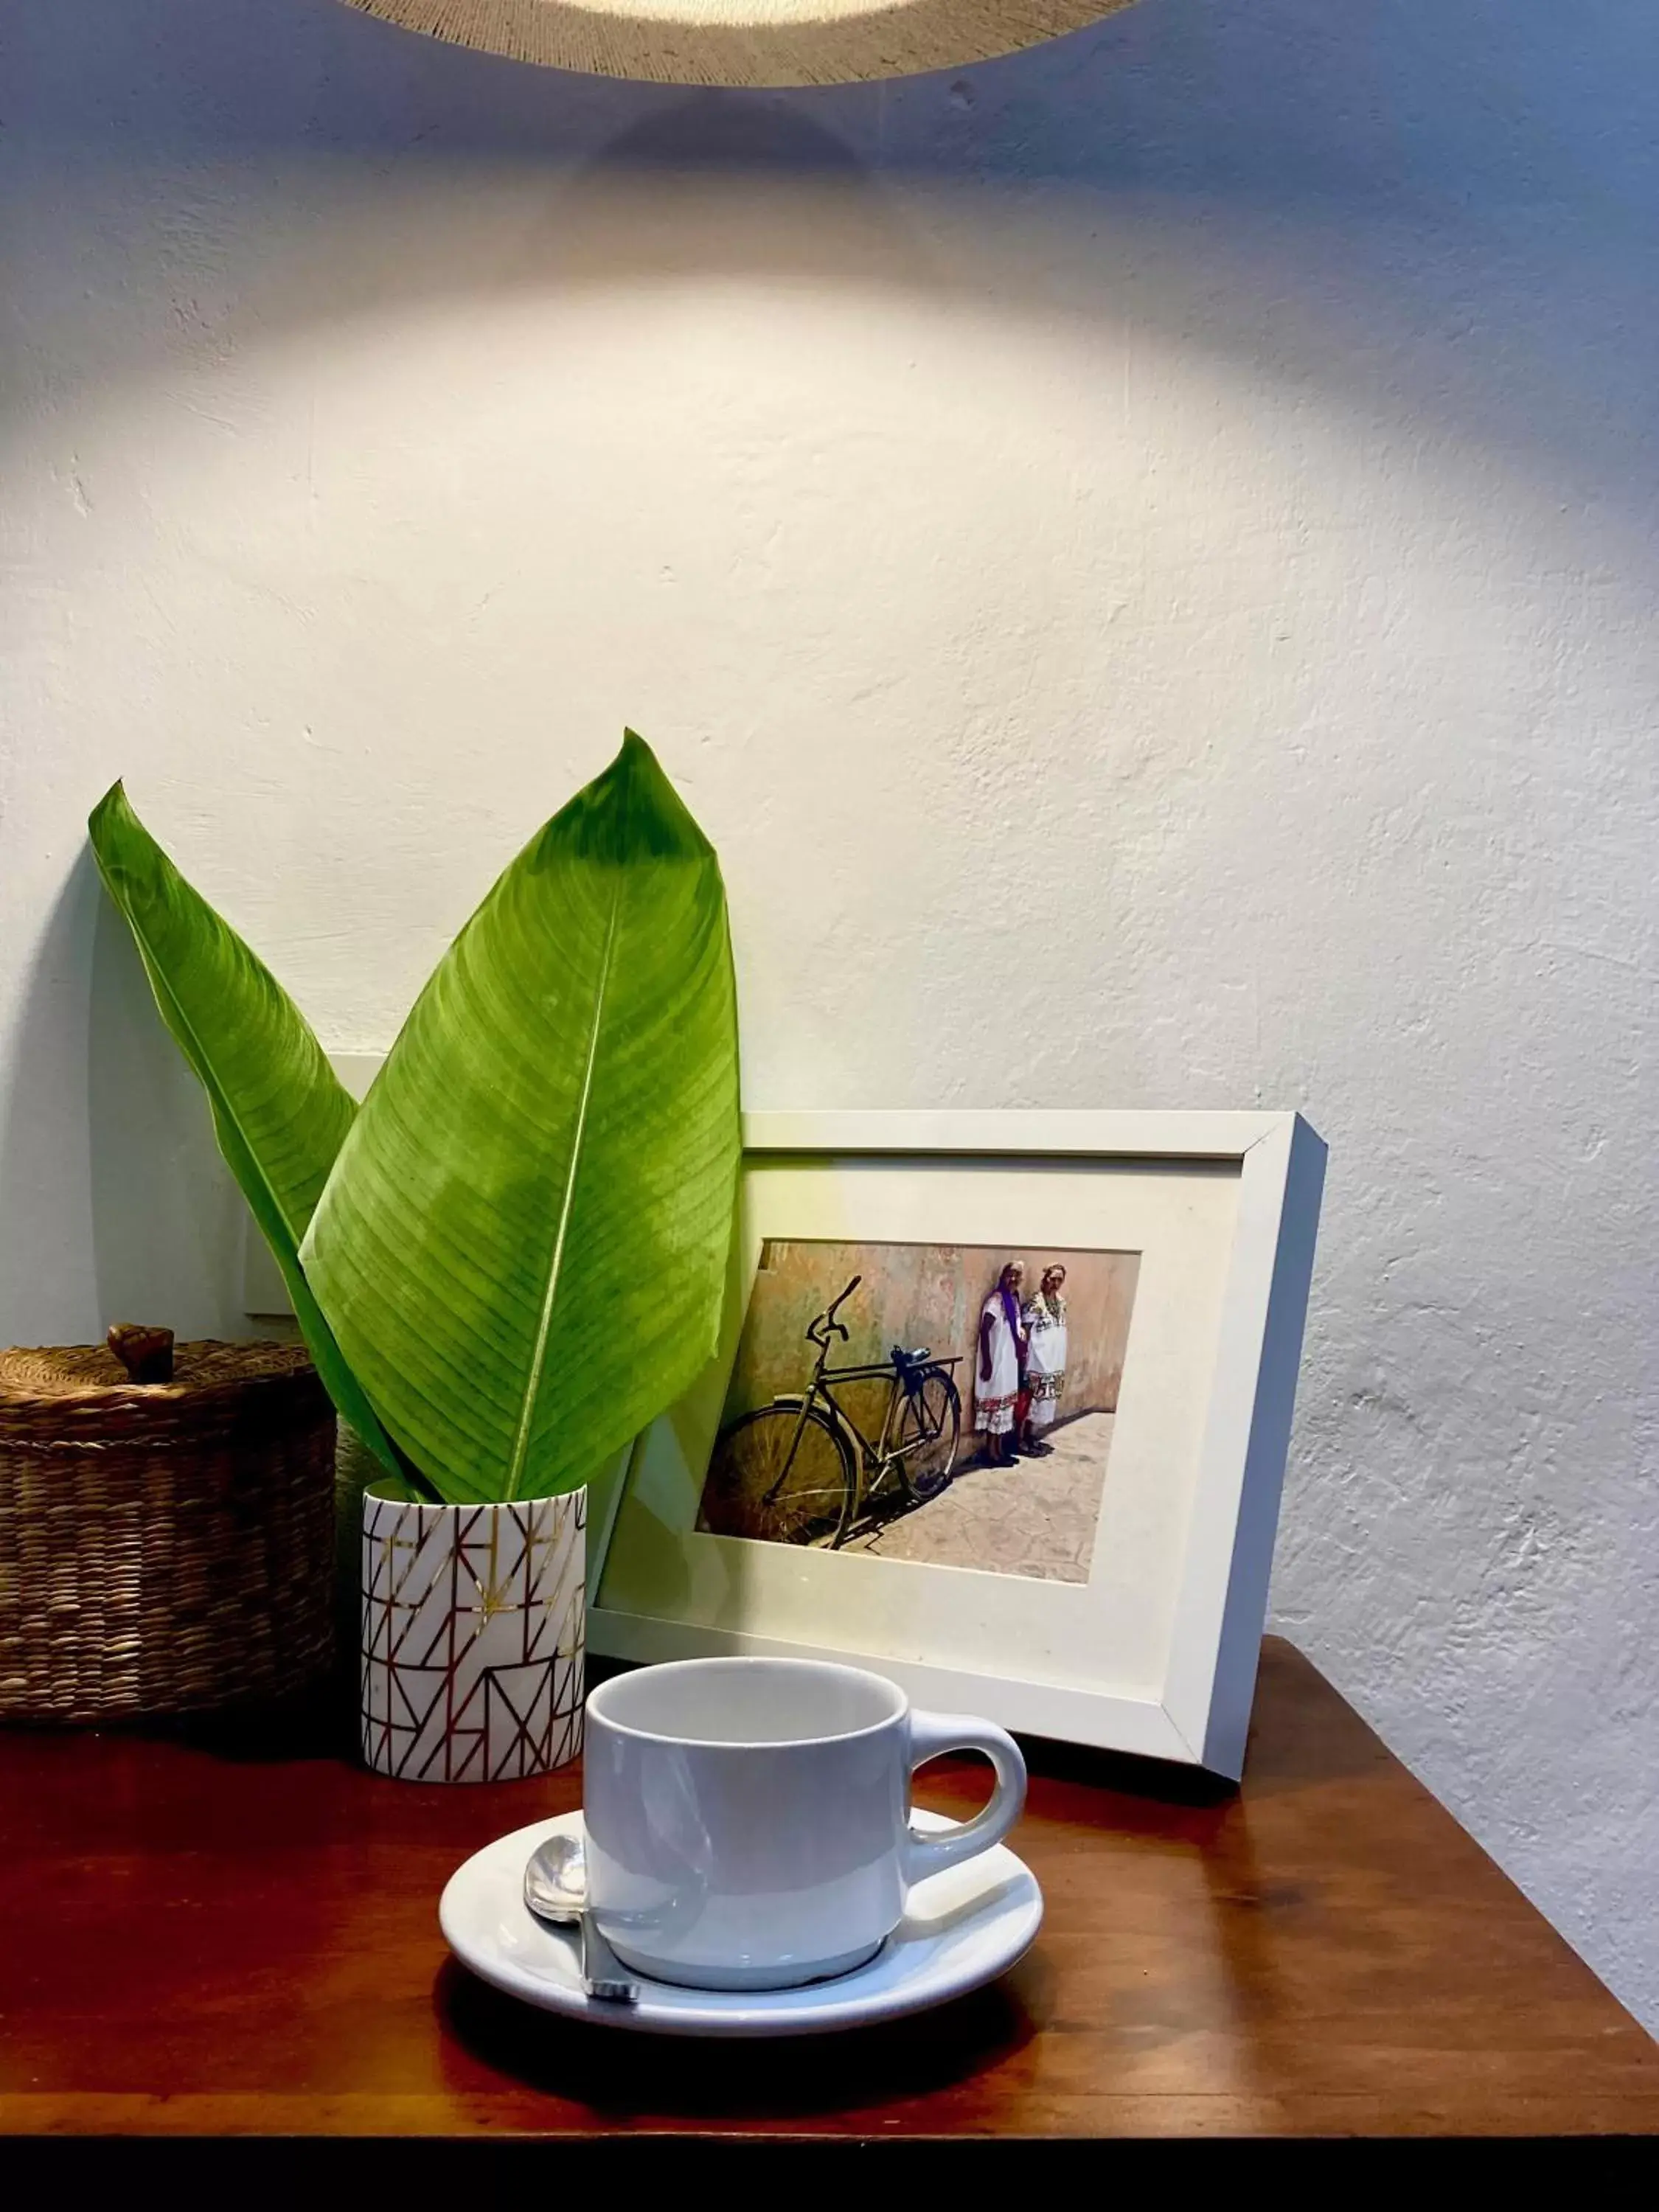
x=1277 y=99
x=107 y=1144
x=1432 y=219
x=1434 y=199
x=1431 y=215
x=168 y=1219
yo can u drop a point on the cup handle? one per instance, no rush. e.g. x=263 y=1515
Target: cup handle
x=934 y=1733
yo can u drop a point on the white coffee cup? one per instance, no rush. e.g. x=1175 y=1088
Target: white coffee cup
x=748 y=1819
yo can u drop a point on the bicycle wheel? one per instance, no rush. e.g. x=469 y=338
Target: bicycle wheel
x=779 y=1478
x=928 y=1432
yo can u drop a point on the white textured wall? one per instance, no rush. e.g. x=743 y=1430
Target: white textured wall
x=1142 y=557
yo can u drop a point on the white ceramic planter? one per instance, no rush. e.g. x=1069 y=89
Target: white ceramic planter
x=473 y=1620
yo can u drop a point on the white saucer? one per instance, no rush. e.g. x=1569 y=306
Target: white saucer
x=962 y=1927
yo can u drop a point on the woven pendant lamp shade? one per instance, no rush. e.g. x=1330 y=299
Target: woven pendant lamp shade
x=744 y=42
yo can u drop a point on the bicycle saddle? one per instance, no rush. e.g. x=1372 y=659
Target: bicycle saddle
x=903 y=1358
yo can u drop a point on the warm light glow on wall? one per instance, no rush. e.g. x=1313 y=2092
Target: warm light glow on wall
x=752 y=42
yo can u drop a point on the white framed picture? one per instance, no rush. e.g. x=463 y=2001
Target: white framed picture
x=1001 y=1411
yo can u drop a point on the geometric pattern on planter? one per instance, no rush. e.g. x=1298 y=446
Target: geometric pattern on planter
x=473 y=1619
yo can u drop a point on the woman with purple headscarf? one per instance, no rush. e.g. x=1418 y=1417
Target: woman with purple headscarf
x=996 y=1372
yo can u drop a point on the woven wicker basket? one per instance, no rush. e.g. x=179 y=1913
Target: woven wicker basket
x=165 y=1547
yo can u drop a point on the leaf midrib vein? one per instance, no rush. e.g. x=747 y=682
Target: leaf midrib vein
x=543 y=1328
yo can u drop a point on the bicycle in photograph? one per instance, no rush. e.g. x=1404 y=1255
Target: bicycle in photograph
x=801 y=1470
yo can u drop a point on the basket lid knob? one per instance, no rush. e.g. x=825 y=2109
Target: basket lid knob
x=146 y=1353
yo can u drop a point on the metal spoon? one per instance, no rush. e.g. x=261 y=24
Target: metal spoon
x=556 y=1890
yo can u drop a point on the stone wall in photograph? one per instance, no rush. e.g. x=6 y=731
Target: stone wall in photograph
x=922 y=1294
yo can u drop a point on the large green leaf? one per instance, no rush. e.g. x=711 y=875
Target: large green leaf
x=522 y=1246
x=279 y=1111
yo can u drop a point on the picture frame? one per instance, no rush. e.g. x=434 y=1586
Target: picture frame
x=1155 y=1654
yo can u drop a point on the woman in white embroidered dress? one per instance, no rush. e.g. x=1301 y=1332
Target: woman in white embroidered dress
x=996 y=1369
x=1044 y=1323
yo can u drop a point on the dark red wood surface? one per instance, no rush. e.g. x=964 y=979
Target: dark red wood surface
x=196 y=1939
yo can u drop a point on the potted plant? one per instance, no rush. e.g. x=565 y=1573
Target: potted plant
x=511 y=1256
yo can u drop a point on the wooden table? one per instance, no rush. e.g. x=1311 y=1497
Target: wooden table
x=196 y=1943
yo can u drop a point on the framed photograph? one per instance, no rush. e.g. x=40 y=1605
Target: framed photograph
x=1002 y=1412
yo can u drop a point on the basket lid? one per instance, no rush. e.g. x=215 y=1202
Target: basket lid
x=81 y=1392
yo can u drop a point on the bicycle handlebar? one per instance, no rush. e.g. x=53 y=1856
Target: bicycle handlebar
x=826 y=1321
